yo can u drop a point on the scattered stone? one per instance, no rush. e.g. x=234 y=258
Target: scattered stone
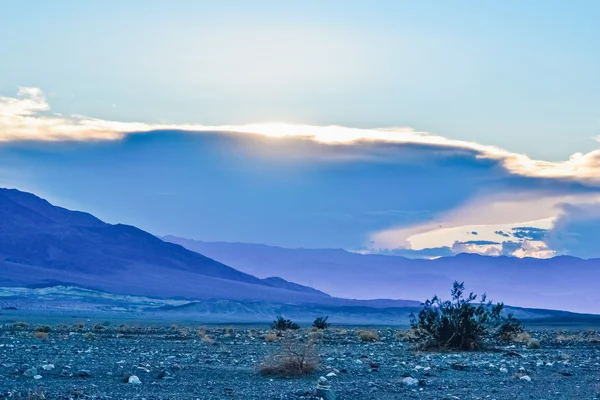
x=525 y=378
x=48 y=367
x=134 y=380
x=410 y=381
x=31 y=372
x=323 y=390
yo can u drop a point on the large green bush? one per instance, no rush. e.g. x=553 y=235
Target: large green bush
x=461 y=323
x=282 y=324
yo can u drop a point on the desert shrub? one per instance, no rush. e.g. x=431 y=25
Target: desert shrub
x=78 y=325
x=409 y=335
x=208 y=339
x=460 y=323
x=509 y=328
x=229 y=331
x=20 y=324
x=270 y=337
x=89 y=336
x=321 y=323
x=41 y=335
x=533 y=344
x=292 y=358
x=567 y=338
x=282 y=324
x=37 y=395
x=368 y=335
x=99 y=328
x=43 y=328
x=594 y=339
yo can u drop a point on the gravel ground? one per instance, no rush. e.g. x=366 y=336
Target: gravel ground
x=95 y=361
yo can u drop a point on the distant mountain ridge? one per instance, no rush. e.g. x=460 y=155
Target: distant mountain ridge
x=44 y=245
x=560 y=283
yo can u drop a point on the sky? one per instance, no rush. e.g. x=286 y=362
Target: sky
x=421 y=129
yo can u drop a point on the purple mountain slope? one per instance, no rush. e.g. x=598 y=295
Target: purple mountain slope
x=563 y=283
x=44 y=245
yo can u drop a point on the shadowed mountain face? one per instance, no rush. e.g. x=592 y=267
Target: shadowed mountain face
x=41 y=244
x=562 y=283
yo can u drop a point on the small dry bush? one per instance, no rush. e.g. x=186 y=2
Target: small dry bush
x=368 y=335
x=89 y=336
x=37 y=395
x=201 y=332
x=208 y=339
x=78 y=325
x=567 y=338
x=316 y=335
x=521 y=337
x=43 y=328
x=564 y=357
x=594 y=339
x=533 y=344
x=20 y=324
x=229 y=331
x=342 y=332
x=41 y=335
x=292 y=358
x=270 y=337
x=409 y=335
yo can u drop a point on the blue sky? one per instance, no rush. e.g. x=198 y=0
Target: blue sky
x=493 y=98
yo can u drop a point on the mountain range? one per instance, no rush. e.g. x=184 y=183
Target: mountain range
x=44 y=245
x=560 y=283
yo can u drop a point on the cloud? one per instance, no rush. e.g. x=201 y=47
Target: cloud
x=575 y=231
x=23 y=118
x=529 y=233
x=407 y=192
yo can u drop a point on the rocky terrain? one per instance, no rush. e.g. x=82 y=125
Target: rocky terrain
x=94 y=360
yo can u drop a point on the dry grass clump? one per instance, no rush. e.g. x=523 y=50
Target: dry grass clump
x=341 y=332
x=201 y=332
x=522 y=337
x=567 y=338
x=89 y=336
x=229 y=331
x=292 y=359
x=41 y=335
x=565 y=357
x=43 y=328
x=409 y=335
x=20 y=324
x=368 y=335
x=208 y=340
x=270 y=337
x=37 y=395
x=205 y=338
x=533 y=344
x=78 y=325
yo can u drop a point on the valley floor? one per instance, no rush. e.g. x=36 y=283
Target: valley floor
x=93 y=361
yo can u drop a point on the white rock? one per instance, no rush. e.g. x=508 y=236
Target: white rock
x=410 y=381
x=134 y=380
x=329 y=375
x=525 y=378
x=358 y=362
x=503 y=370
x=37 y=377
x=48 y=367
